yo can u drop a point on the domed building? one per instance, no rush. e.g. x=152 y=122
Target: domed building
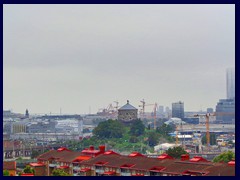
x=127 y=113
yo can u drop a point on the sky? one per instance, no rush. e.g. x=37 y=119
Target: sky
x=80 y=58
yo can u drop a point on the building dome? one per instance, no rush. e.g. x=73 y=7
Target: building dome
x=127 y=107
x=127 y=113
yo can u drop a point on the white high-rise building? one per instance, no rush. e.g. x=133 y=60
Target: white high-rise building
x=230 y=83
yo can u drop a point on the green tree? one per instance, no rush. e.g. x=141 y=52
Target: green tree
x=35 y=154
x=212 y=139
x=133 y=139
x=109 y=129
x=6 y=173
x=59 y=172
x=152 y=139
x=165 y=129
x=28 y=169
x=176 y=152
x=137 y=128
x=224 y=157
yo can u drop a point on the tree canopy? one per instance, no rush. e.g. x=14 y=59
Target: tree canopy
x=165 y=129
x=28 y=169
x=59 y=172
x=109 y=129
x=176 y=152
x=6 y=173
x=224 y=157
x=137 y=128
x=35 y=154
x=153 y=139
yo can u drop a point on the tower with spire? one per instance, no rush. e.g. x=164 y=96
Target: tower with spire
x=26 y=114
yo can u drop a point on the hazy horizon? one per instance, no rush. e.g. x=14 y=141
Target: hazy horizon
x=84 y=57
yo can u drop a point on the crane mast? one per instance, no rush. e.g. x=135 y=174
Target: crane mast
x=207 y=127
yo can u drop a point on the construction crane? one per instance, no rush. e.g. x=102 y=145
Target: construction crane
x=176 y=135
x=143 y=108
x=181 y=129
x=207 y=127
x=155 y=115
x=116 y=107
x=155 y=107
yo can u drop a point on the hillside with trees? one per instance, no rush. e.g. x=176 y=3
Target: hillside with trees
x=125 y=139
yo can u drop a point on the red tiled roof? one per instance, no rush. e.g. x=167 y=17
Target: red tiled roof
x=198 y=159
x=231 y=163
x=109 y=173
x=9 y=165
x=157 y=168
x=62 y=156
x=62 y=149
x=89 y=151
x=136 y=154
x=165 y=165
x=118 y=161
x=165 y=156
x=63 y=167
x=36 y=164
x=110 y=152
x=127 y=165
x=195 y=172
x=101 y=163
x=137 y=175
x=27 y=174
x=82 y=158
x=85 y=170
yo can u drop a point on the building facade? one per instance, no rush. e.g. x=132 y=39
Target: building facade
x=209 y=110
x=230 y=76
x=225 y=111
x=178 y=110
x=127 y=113
x=110 y=163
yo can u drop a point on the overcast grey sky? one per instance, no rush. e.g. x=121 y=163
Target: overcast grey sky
x=81 y=56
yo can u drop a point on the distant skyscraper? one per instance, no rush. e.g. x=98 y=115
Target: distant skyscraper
x=167 y=112
x=178 y=109
x=230 y=83
x=161 y=109
x=225 y=111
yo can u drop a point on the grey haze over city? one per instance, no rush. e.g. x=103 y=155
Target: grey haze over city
x=82 y=57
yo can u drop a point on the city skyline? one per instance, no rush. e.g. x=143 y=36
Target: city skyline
x=81 y=57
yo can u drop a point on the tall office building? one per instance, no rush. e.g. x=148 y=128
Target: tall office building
x=230 y=83
x=161 y=109
x=225 y=111
x=178 y=109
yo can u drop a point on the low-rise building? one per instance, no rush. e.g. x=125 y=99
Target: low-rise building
x=10 y=166
x=92 y=162
x=65 y=159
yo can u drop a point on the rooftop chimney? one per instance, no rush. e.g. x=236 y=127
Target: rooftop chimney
x=102 y=148
x=91 y=148
x=185 y=157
